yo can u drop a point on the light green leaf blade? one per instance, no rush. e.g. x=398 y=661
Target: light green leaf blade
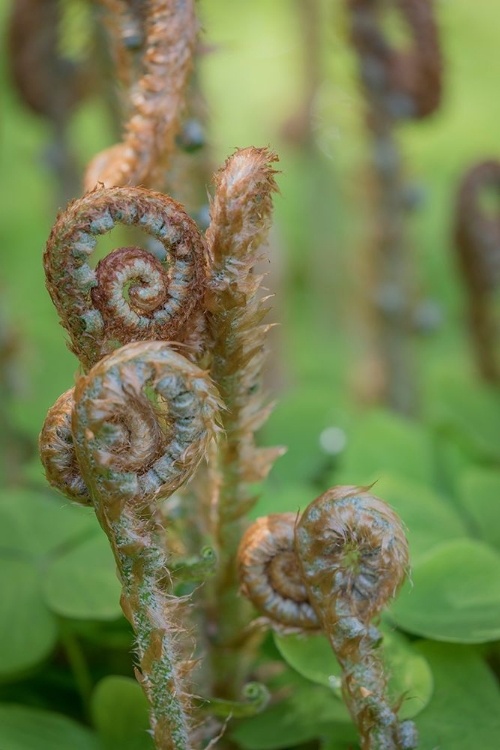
x=82 y=583
x=28 y=630
x=120 y=714
x=287 y=498
x=455 y=594
x=409 y=674
x=465 y=710
x=38 y=524
x=480 y=497
x=23 y=728
x=382 y=443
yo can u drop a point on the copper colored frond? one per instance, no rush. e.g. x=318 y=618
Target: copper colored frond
x=270 y=574
x=131 y=295
x=335 y=568
x=141 y=421
x=240 y=220
x=57 y=451
x=406 y=84
x=477 y=238
x=157 y=100
x=51 y=85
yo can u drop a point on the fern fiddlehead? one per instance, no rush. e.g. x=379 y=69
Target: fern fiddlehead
x=131 y=295
x=335 y=567
x=141 y=421
x=156 y=101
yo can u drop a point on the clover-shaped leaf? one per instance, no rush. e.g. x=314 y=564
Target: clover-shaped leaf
x=54 y=560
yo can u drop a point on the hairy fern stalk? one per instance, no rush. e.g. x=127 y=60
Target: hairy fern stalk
x=172 y=350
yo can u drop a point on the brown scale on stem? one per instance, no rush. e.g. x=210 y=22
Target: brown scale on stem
x=157 y=100
x=477 y=239
x=335 y=567
x=130 y=295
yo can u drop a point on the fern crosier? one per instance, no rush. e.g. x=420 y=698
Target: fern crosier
x=141 y=421
x=334 y=568
x=157 y=99
x=130 y=296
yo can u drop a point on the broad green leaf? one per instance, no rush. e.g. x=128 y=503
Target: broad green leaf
x=310 y=711
x=23 y=728
x=27 y=629
x=454 y=596
x=465 y=709
x=298 y=422
x=82 y=583
x=409 y=674
x=37 y=524
x=120 y=714
x=383 y=443
x=283 y=499
x=469 y=411
x=480 y=497
x=429 y=518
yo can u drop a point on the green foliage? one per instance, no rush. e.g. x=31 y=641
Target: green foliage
x=454 y=594
x=120 y=714
x=54 y=560
x=24 y=728
x=410 y=677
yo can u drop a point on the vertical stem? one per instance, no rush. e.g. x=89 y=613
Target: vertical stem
x=76 y=660
x=145 y=603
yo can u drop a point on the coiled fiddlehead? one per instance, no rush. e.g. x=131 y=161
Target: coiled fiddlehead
x=141 y=420
x=477 y=239
x=335 y=567
x=407 y=83
x=157 y=99
x=130 y=295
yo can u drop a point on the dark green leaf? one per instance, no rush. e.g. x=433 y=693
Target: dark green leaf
x=23 y=728
x=27 y=629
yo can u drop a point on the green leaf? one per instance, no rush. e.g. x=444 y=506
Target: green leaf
x=430 y=520
x=27 y=629
x=82 y=583
x=470 y=412
x=120 y=714
x=409 y=673
x=384 y=443
x=480 y=497
x=310 y=711
x=283 y=499
x=455 y=594
x=465 y=709
x=298 y=421
x=37 y=524
x=23 y=728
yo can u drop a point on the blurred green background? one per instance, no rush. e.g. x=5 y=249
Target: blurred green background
x=60 y=632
